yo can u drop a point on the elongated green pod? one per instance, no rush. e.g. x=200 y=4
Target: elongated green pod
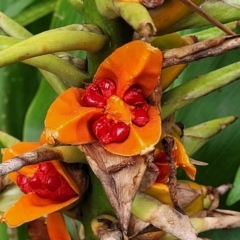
x=213 y=32
x=196 y=136
x=220 y=10
x=187 y=93
x=13 y=29
x=51 y=63
x=52 y=42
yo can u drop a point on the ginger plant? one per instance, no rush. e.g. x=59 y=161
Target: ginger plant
x=119 y=143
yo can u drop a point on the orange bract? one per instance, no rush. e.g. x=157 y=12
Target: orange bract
x=69 y=120
x=56 y=227
x=30 y=206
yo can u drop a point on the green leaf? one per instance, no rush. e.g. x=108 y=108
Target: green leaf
x=34 y=120
x=18 y=84
x=35 y=12
x=234 y=194
x=17 y=7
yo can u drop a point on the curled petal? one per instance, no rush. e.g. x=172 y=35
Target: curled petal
x=140 y=138
x=30 y=207
x=56 y=227
x=182 y=159
x=68 y=121
x=135 y=63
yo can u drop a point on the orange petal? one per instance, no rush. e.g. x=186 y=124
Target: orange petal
x=140 y=138
x=182 y=159
x=56 y=227
x=135 y=63
x=30 y=207
x=67 y=121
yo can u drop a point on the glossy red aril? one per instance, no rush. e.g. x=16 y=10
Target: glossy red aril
x=101 y=128
x=134 y=96
x=106 y=86
x=140 y=117
x=107 y=131
x=120 y=132
x=46 y=182
x=96 y=93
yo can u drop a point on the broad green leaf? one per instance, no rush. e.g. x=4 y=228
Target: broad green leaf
x=18 y=84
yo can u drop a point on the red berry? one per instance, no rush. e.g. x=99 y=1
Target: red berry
x=35 y=183
x=107 y=131
x=97 y=93
x=120 y=132
x=53 y=183
x=47 y=183
x=140 y=117
x=134 y=96
x=102 y=129
x=92 y=98
x=106 y=86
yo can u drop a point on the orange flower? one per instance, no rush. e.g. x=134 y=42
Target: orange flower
x=47 y=187
x=114 y=109
x=181 y=160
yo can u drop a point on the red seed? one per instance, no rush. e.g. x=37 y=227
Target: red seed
x=47 y=183
x=92 y=98
x=45 y=167
x=134 y=96
x=35 y=183
x=21 y=180
x=140 y=117
x=102 y=129
x=53 y=183
x=97 y=93
x=120 y=132
x=106 y=86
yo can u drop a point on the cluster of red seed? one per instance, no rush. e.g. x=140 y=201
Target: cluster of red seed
x=105 y=129
x=46 y=183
